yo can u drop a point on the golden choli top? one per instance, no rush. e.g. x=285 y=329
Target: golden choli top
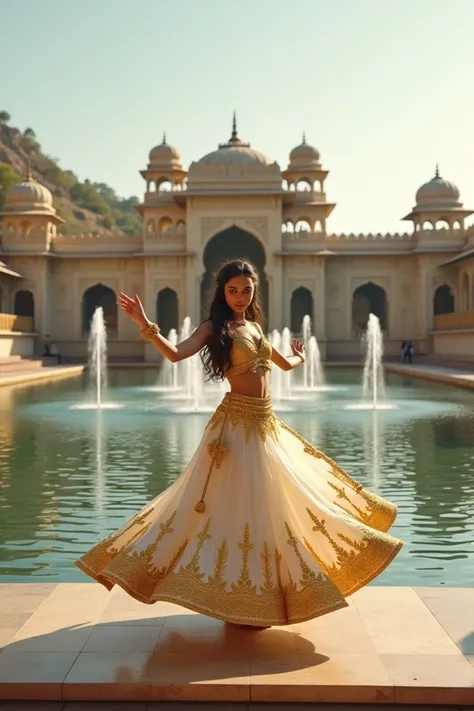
x=245 y=355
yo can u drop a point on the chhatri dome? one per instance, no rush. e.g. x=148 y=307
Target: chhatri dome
x=438 y=192
x=235 y=152
x=165 y=156
x=29 y=197
x=304 y=155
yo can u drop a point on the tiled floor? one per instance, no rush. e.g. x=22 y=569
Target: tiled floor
x=77 y=642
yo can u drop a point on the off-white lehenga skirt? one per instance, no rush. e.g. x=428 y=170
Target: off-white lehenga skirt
x=260 y=529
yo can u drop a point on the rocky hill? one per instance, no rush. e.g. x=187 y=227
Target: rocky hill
x=86 y=206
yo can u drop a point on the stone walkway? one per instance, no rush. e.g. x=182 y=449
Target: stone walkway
x=52 y=372
x=77 y=642
x=447 y=376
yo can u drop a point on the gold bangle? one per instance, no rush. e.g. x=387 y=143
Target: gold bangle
x=149 y=332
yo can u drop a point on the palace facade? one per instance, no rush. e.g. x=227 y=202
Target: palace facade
x=237 y=202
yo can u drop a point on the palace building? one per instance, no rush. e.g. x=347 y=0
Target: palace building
x=238 y=202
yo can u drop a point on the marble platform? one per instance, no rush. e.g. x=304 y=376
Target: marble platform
x=76 y=642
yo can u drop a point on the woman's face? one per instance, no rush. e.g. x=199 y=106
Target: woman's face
x=238 y=293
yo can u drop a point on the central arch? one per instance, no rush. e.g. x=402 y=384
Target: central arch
x=366 y=299
x=99 y=295
x=232 y=243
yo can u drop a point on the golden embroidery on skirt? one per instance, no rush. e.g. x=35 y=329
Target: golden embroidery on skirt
x=319 y=590
x=335 y=468
x=268 y=585
x=218 y=576
x=244 y=580
x=307 y=574
x=256 y=415
x=361 y=563
x=342 y=494
x=381 y=514
x=217 y=451
x=147 y=554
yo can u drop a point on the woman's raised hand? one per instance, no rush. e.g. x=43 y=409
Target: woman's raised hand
x=133 y=308
x=298 y=349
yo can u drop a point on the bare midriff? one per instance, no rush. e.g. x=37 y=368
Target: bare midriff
x=251 y=384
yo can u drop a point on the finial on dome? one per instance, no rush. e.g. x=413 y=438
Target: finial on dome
x=234 y=136
x=437 y=170
x=164 y=139
x=234 y=141
x=304 y=138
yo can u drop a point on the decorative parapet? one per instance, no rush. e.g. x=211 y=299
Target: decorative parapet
x=370 y=237
x=171 y=239
x=90 y=242
x=305 y=239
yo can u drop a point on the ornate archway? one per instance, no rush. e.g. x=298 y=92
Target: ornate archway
x=301 y=306
x=99 y=295
x=167 y=310
x=443 y=301
x=24 y=303
x=232 y=243
x=368 y=299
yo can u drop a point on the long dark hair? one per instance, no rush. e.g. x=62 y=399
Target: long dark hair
x=215 y=355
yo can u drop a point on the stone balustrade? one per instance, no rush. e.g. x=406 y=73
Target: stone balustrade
x=12 y=322
x=454 y=322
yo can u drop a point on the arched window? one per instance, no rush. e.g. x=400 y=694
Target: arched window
x=303 y=225
x=443 y=301
x=301 y=306
x=167 y=315
x=304 y=185
x=99 y=295
x=24 y=303
x=165 y=224
x=368 y=299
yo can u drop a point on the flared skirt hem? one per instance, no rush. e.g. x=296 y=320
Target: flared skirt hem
x=314 y=606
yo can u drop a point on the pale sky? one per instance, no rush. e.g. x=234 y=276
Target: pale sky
x=384 y=89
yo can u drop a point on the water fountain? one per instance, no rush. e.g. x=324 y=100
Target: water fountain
x=313 y=379
x=184 y=381
x=97 y=365
x=168 y=377
x=97 y=349
x=373 y=385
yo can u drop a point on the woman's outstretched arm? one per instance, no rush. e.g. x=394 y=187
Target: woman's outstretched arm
x=289 y=362
x=134 y=309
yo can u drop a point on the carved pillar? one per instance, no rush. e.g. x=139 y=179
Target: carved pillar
x=319 y=300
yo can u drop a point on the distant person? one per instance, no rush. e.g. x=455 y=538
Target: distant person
x=407 y=353
x=261 y=528
x=402 y=351
x=47 y=352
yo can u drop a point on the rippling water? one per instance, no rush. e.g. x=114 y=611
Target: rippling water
x=70 y=477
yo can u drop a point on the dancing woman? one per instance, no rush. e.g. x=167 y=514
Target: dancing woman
x=261 y=528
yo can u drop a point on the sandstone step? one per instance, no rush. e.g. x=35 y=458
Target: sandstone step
x=10 y=359
x=20 y=366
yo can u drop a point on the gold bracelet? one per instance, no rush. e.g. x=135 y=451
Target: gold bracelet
x=149 y=332
x=303 y=357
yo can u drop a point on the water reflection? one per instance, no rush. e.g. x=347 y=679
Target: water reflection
x=66 y=483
